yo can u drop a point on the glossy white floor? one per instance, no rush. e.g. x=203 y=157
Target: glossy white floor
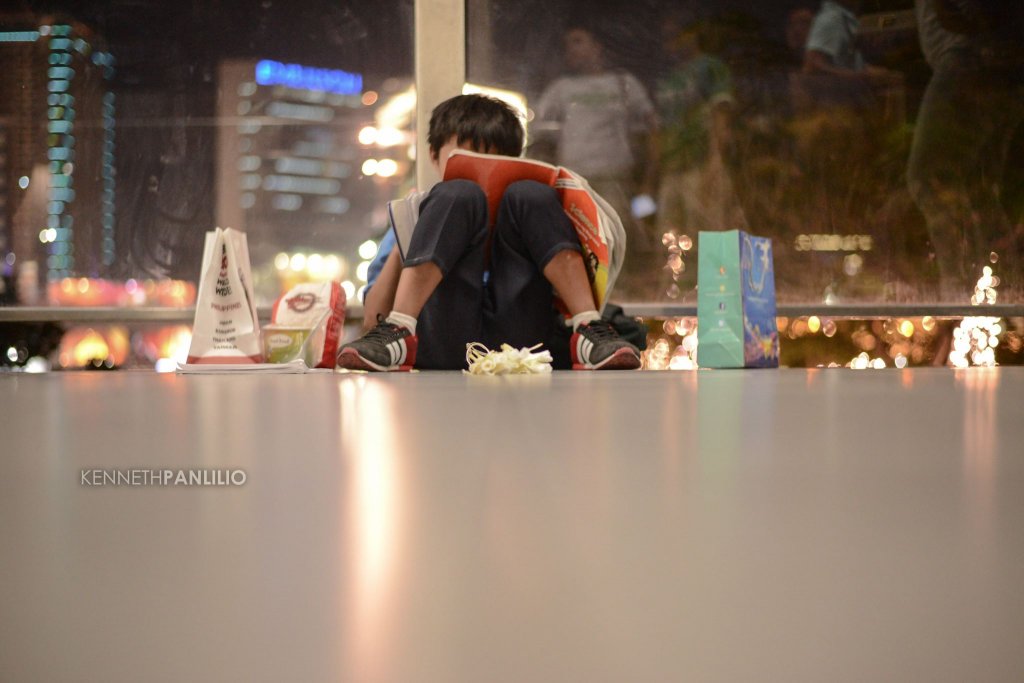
x=791 y=525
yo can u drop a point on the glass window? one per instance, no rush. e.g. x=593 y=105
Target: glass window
x=873 y=140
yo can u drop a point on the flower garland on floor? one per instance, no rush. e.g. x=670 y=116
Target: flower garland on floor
x=507 y=361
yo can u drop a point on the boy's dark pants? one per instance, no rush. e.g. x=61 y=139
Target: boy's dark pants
x=515 y=305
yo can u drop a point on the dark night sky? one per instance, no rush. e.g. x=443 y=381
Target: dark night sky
x=374 y=37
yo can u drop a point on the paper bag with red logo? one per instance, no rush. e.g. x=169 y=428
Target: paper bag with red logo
x=306 y=324
x=226 y=329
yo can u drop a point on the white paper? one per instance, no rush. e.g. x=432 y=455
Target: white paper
x=296 y=367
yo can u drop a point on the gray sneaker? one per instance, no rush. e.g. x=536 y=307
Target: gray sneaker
x=597 y=346
x=385 y=348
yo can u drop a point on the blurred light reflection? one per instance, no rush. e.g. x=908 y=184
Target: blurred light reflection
x=372 y=507
x=980 y=448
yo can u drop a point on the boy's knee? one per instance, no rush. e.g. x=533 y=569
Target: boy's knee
x=461 y=192
x=530 y=192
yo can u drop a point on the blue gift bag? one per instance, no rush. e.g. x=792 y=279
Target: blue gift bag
x=736 y=301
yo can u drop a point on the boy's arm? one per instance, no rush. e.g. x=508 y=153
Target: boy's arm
x=381 y=297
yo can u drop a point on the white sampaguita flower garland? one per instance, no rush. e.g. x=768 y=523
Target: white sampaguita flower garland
x=507 y=361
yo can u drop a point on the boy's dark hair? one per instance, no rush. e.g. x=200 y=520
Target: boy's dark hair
x=489 y=124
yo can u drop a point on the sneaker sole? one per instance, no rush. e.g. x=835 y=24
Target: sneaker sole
x=623 y=359
x=349 y=359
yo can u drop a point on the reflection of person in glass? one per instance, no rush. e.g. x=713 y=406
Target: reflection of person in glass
x=832 y=48
x=798 y=27
x=841 y=105
x=597 y=118
x=971 y=107
x=695 y=103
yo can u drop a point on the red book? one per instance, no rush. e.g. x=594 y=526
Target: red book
x=494 y=173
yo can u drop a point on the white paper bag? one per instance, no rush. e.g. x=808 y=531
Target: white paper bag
x=226 y=329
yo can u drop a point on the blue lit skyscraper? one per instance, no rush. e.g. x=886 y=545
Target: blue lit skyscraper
x=22 y=148
x=290 y=164
x=57 y=191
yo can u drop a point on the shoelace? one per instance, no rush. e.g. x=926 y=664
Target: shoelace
x=599 y=330
x=383 y=331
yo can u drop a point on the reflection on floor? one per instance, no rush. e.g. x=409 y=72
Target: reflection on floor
x=799 y=525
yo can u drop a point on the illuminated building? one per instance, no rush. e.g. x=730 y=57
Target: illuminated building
x=292 y=172
x=57 y=150
x=23 y=105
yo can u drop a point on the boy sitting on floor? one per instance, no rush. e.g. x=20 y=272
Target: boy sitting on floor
x=462 y=282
